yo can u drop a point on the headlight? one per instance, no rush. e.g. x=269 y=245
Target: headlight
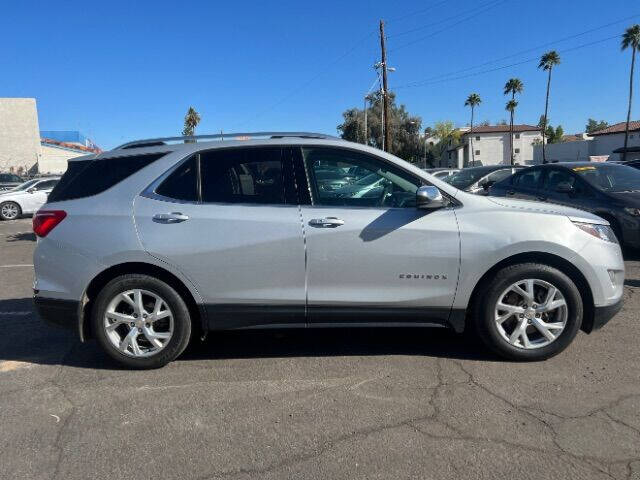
x=603 y=232
x=632 y=211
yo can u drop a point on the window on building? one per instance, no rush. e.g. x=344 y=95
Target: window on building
x=478 y=138
x=517 y=135
x=517 y=150
x=477 y=152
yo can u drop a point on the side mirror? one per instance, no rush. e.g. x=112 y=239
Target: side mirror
x=564 y=187
x=31 y=190
x=429 y=198
x=486 y=184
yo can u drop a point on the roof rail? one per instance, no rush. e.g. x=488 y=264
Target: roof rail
x=152 y=142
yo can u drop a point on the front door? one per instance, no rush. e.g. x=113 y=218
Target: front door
x=223 y=219
x=372 y=257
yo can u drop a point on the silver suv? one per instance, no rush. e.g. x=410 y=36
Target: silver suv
x=155 y=243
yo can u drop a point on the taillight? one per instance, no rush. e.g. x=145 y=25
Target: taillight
x=46 y=220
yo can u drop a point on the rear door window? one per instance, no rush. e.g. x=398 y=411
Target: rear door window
x=243 y=175
x=528 y=179
x=182 y=183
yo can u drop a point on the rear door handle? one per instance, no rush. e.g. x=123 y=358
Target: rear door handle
x=327 y=222
x=173 y=217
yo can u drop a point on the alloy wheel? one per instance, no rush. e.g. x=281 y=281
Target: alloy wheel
x=9 y=211
x=531 y=314
x=139 y=323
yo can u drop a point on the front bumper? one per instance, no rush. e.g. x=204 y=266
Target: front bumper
x=61 y=313
x=602 y=315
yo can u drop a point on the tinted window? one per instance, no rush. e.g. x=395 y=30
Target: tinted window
x=529 y=178
x=610 y=178
x=49 y=184
x=242 y=175
x=85 y=178
x=499 y=175
x=376 y=183
x=182 y=183
x=556 y=177
x=466 y=177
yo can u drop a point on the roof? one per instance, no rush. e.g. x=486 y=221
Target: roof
x=618 y=128
x=503 y=129
x=572 y=138
x=71 y=146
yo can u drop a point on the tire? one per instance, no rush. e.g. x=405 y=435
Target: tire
x=530 y=343
x=10 y=211
x=144 y=343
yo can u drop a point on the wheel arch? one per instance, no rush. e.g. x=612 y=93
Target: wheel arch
x=196 y=310
x=545 y=258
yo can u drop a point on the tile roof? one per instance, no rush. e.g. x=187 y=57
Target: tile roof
x=71 y=146
x=618 y=128
x=503 y=129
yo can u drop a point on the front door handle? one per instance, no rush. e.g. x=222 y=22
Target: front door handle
x=511 y=192
x=173 y=217
x=327 y=222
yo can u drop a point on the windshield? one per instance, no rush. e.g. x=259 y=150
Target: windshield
x=465 y=178
x=23 y=186
x=611 y=178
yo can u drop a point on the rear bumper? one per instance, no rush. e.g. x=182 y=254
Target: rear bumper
x=602 y=315
x=61 y=313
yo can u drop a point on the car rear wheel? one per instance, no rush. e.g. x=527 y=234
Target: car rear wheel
x=10 y=210
x=141 y=321
x=529 y=312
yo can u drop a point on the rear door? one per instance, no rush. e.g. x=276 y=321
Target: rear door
x=371 y=255
x=225 y=219
x=581 y=196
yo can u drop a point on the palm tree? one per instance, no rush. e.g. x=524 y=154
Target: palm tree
x=513 y=86
x=630 y=38
x=547 y=62
x=191 y=121
x=511 y=107
x=472 y=101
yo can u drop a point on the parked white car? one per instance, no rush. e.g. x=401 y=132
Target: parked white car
x=26 y=198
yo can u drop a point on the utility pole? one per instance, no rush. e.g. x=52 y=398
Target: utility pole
x=385 y=99
x=366 y=130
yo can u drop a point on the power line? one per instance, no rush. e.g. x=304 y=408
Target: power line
x=422 y=27
x=482 y=72
x=311 y=80
x=495 y=4
x=418 y=12
x=532 y=49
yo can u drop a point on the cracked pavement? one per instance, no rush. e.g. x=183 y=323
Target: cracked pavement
x=313 y=404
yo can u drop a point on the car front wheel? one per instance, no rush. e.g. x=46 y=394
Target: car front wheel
x=529 y=312
x=10 y=211
x=141 y=322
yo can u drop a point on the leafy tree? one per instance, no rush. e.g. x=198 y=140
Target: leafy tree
x=406 y=141
x=513 y=86
x=191 y=121
x=473 y=100
x=594 y=125
x=630 y=38
x=547 y=62
x=554 y=135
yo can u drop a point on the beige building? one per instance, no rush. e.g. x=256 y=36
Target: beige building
x=19 y=134
x=24 y=148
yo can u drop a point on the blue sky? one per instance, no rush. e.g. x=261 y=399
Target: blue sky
x=121 y=70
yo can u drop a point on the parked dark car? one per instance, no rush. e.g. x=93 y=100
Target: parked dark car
x=479 y=179
x=610 y=190
x=9 y=180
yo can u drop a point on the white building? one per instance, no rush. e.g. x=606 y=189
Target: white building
x=492 y=147
x=23 y=148
x=601 y=145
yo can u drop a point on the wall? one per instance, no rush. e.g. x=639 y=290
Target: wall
x=578 y=151
x=54 y=159
x=19 y=134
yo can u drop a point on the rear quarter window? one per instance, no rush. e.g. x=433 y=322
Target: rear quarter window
x=86 y=178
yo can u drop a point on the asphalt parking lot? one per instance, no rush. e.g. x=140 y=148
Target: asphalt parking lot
x=312 y=404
